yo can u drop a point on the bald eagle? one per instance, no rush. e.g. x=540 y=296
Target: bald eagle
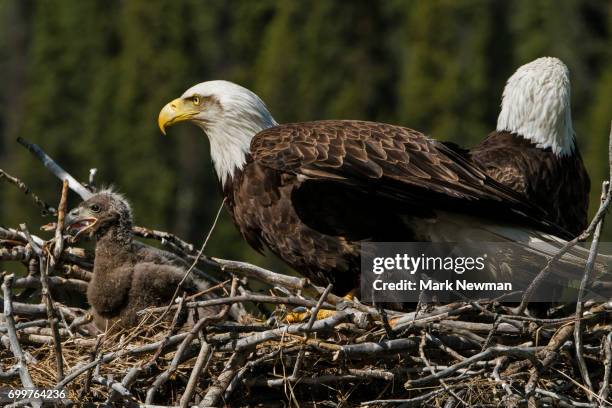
x=313 y=192
x=533 y=150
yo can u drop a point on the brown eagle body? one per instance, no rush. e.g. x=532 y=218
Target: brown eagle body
x=312 y=192
x=124 y=283
x=559 y=185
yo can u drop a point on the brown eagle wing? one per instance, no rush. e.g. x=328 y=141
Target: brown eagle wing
x=391 y=162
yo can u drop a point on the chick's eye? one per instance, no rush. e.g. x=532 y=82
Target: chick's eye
x=95 y=208
x=196 y=100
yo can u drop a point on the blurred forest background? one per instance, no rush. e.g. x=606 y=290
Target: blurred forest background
x=86 y=80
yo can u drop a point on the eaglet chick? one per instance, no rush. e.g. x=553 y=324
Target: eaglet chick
x=128 y=276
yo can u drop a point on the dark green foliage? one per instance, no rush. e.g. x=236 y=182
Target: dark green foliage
x=86 y=80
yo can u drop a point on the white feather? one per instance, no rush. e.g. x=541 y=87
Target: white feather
x=536 y=105
x=468 y=229
x=231 y=126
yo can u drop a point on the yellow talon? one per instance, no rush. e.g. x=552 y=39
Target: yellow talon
x=303 y=314
x=324 y=314
x=295 y=317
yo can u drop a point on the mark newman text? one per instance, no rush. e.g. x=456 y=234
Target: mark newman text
x=461 y=285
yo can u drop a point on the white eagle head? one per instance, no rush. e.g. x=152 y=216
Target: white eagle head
x=536 y=105
x=228 y=113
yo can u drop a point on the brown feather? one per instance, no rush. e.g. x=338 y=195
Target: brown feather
x=559 y=185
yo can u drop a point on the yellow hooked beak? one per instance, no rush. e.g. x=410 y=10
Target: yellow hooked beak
x=174 y=112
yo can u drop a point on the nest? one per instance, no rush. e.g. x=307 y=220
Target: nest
x=291 y=342
x=462 y=353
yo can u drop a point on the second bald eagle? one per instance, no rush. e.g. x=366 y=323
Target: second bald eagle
x=534 y=151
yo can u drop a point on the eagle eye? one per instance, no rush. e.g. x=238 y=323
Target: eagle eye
x=95 y=208
x=196 y=100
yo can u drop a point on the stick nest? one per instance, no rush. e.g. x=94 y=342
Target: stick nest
x=456 y=354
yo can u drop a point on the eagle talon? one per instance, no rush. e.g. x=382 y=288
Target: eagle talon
x=300 y=314
x=297 y=315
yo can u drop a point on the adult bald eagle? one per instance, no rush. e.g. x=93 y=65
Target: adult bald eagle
x=533 y=150
x=312 y=192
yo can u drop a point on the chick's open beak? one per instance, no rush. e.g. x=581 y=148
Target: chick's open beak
x=174 y=112
x=71 y=218
x=76 y=224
